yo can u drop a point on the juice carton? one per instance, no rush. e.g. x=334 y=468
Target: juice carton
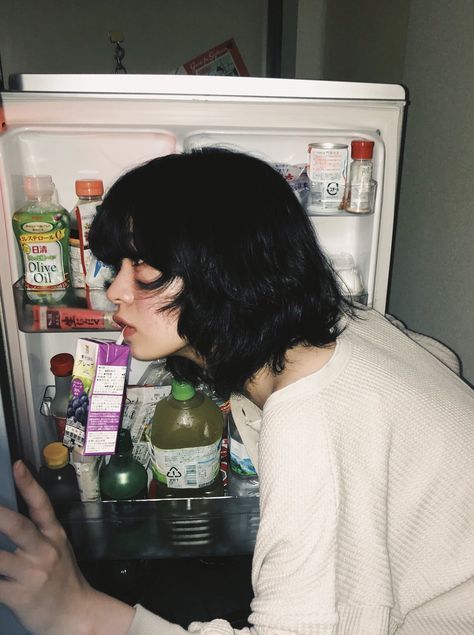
x=97 y=395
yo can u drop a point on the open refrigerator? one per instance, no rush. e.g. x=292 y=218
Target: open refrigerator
x=98 y=126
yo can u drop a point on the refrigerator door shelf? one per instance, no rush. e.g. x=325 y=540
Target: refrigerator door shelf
x=63 y=310
x=162 y=528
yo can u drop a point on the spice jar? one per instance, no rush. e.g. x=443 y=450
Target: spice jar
x=361 y=192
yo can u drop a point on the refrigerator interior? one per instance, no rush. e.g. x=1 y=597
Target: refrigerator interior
x=72 y=136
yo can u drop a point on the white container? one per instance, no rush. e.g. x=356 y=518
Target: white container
x=327 y=172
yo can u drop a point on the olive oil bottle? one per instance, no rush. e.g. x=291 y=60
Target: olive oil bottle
x=42 y=228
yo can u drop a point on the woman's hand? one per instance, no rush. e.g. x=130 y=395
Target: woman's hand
x=43 y=585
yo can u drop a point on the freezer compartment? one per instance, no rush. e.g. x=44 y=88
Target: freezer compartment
x=162 y=528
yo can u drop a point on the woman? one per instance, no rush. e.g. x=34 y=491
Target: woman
x=366 y=441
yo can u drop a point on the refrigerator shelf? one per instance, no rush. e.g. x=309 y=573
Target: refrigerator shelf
x=63 y=310
x=336 y=213
x=162 y=528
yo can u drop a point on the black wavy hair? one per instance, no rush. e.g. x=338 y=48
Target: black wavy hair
x=255 y=281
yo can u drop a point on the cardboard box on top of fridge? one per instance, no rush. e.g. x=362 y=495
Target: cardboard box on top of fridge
x=97 y=395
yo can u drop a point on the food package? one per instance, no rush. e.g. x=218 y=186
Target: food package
x=97 y=395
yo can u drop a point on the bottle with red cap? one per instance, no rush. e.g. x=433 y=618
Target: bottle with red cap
x=61 y=367
x=89 y=192
x=361 y=185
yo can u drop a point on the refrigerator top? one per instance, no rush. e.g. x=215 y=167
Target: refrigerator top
x=203 y=85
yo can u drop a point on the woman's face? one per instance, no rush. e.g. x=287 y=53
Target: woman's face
x=150 y=333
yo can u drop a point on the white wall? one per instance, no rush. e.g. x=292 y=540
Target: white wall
x=433 y=267
x=71 y=36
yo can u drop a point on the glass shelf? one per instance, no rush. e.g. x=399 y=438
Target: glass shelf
x=63 y=310
x=162 y=528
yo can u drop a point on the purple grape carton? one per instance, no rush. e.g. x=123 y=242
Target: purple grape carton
x=97 y=395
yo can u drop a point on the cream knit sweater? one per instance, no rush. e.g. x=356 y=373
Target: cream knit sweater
x=367 y=498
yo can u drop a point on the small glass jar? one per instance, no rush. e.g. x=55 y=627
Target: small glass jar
x=361 y=192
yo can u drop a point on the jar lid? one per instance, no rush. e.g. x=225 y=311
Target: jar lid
x=362 y=149
x=62 y=364
x=56 y=455
x=89 y=187
x=182 y=390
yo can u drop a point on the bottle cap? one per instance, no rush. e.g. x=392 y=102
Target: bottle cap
x=124 y=441
x=56 y=455
x=62 y=364
x=362 y=149
x=38 y=185
x=182 y=390
x=89 y=187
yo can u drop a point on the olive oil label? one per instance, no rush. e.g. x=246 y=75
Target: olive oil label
x=43 y=240
x=186 y=468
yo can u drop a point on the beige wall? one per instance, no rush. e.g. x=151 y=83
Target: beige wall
x=54 y=36
x=427 y=46
x=433 y=267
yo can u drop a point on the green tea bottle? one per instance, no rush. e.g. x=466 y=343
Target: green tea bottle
x=123 y=478
x=42 y=228
x=185 y=439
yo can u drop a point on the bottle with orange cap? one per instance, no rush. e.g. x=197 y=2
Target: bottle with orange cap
x=361 y=185
x=62 y=366
x=89 y=192
x=57 y=475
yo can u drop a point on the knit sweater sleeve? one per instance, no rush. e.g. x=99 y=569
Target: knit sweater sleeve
x=293 y=571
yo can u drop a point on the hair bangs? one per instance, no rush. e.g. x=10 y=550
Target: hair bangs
x=111 y=236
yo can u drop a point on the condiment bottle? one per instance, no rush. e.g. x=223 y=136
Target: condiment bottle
x=58 y=476
x=185 y=440
x=61 y=367
x=359 y=198
x=41 y=228
x=123 y=478
x=89 y=192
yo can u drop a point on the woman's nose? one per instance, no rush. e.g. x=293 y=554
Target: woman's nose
x=121 y=289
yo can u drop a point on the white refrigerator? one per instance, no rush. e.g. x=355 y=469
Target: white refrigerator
x=98 y=126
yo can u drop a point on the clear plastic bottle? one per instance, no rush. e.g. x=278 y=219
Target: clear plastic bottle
x=87 y=471
x=123 y=478
x=42 y=228
x=89 y=192
x=58 y=476
x=62 y=366
x=185 y=441
x=361 y=184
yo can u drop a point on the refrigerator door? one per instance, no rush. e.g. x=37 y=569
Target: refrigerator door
x=74 y=126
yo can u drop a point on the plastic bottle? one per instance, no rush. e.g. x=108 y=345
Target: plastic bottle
x=87 y=471
x=61 y=367
x=41 y=228
x=185 y=440
x=123 y=478
x=89 y=192
x=361 y=185
x=58 y=476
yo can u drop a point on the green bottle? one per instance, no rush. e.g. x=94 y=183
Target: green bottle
x=123 y=478
x=185 y=440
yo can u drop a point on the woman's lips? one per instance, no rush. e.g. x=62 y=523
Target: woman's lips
x=128 y=330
